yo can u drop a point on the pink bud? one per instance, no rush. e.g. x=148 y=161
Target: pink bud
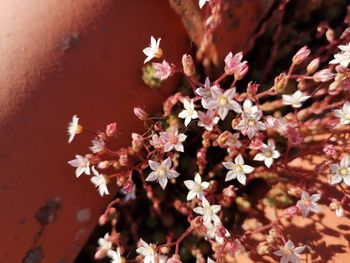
x=291 y=211
x=111 y=129
x=242 y=70
x=323 y=75
x=329 y=150
x=301 y=55
x=256 y=143
x=128 y=186
x=174 y=259
x=140 y=113
x=123 y=160
x=252 y=88
x=100 y=254
x=102 y=220
x=188 y=65
x=313 y=65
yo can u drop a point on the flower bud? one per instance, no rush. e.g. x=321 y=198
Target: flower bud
x=103 y=165
x=102 y=220
x=174 y=259
x=313 y=65
x=111 y=129
x=188 y=65
x=291 y=211
x=128 y=186
x=223 y=138
x=330 y=35
x=323 y=75
x=140 y=113
x=242 y=70
x=252 y=88
x=123 y=160
x=280 y=82
x=301 y=55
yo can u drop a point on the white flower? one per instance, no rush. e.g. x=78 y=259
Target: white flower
x=173 y=139
x=251 y=124
x=100 y=181
x=344 y=114
x=153 y=51
x=289 y=253
x=216 y=231
x=74 y=128
x=202 y=3
x=82 y=164
x=341 y=171
x=205 y=93
x=161 y=172
x=308 y=203
x=189 y=112
x=338 y=207
x=223 y=102
x=249 y=108
x=147 y=252
x=268 y=153
x=209 y=212
x=196 y=187
x=104 y=243
x=207 y=120
x=343 y=57
x=163 y=70
x=237 y=170
x=295 y=100
x=98 y=145
x=115 y=256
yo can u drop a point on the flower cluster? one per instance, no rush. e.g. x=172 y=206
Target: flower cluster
x=243 y=137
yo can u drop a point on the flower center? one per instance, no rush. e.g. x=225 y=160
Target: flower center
x=209 y=211
x=238 y=167
x=162 y=171
x=173 y=139
x=197 y=188
x=288 y=252
x=222 y=100
x=307 y=202
x=347 y=116
x=251 y=122
x=343 y=171
x=268 y=153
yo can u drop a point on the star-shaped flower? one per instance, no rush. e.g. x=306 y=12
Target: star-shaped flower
x=207 y=119
x=308 y=203
x=289 y=253
x=223 y=102
x=343 y=57
x=344 y=114
x=163 y=70
x=74 y=128
x=237 y=170
x=115 y=256
x=295 y=100
x=189 y=112
x=161 y=172
x=251 y=124
x=173 y=139
x=153 y=51
x=82 y=164
x=196 y=187
x=98 y=145
x=204 y=93
x=209 y=212
x=268 y=153
x=147 y=252
x=105 y=245
x=341 y=171
x=100 y=181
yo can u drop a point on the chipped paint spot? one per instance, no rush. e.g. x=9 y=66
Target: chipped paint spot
x=48 y=212
x=34 y=255
x=83 y=215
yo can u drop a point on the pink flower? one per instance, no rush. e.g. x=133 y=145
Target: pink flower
x=223 y=102
x=289 y=253
x=323 y=75
x=233 y=63
x=207 y=119
x=163 y=70
x=111 y=129
x=251 y=124
x=173 y=139
x=157 y=141
x=308 y=203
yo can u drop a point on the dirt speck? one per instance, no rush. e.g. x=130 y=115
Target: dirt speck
x=34 y=255
x=48 y=212
x=83 y=215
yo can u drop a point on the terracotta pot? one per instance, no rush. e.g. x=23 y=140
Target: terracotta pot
x=61 y=58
